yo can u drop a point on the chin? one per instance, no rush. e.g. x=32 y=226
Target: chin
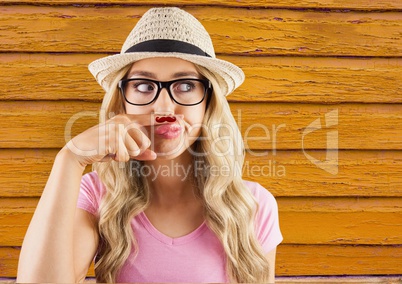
x=171 y=148
x=166 y=157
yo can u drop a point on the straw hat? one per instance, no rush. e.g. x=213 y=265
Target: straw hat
x=168 y=32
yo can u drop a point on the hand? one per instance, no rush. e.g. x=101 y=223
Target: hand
x=120 y=138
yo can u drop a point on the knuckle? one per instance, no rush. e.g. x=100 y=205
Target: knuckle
x=146 y=142
x=136 y=152
x=120 y=119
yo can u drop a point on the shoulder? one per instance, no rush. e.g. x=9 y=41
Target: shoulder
x=91 y=178
x=91 y=192
x=92 y=182
x=261 y=194
x=267 y=218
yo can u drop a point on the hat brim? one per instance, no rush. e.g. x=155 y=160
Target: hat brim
x=104 y=70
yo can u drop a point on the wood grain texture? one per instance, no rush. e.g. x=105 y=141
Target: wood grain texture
x=296 y=260
x=345 y=220
x=9 y=262
x=314 y=221
x=360 y=173
x=233 y=31
x=378 y=279
x=357 y=279
x=291 y=4
x=24 y=172
x=268 y=79
x=358 y=126
x=34 y=124
x=51 y=121
x=337 y=63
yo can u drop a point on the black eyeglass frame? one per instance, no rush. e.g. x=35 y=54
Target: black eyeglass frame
x=207 y=89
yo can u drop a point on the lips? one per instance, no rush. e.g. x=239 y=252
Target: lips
x=169 y=131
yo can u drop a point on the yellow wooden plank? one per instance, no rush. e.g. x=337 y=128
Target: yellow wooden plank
x=264 y=126
x=357 y=279
x=24 y=172
x=341 y=126
x=319 y=80
x=341 y=228
x=13 y=234
x=364 y=279
x=358 y=173
x=339 y=221
x=268 y=79
x=295 y=260
x=321 y=4
x=9 y=262
x=51 y=121
x=234 y=31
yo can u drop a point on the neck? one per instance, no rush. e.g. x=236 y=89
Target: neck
x=171 y=179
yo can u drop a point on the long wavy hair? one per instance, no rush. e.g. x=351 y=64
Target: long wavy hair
x=229 y=205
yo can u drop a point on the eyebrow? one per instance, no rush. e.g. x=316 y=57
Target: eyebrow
x=186 y=74
x=153 y=75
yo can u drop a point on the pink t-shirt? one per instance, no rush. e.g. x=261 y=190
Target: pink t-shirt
x=196 y=257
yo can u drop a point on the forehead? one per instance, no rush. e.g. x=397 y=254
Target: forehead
x=163 y=67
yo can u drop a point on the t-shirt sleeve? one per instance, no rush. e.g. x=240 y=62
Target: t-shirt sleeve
x=91 y=190
x=267 y=219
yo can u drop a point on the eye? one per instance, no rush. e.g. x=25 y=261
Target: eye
x=144 y=87
x=185 y=87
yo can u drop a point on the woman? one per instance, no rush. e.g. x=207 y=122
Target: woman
x=166 y=201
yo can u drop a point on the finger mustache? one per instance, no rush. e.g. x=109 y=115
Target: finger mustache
x=165 y=119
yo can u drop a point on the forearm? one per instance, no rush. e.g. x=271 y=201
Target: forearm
x=47 y=251
x=271 y=256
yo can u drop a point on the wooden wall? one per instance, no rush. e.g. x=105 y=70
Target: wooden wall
x=338 y=61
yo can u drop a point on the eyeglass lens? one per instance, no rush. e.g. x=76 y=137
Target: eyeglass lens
x=185 y=91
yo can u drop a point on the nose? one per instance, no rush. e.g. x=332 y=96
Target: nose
x=164 y=104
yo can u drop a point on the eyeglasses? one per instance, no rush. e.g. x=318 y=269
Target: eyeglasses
x=186 y=92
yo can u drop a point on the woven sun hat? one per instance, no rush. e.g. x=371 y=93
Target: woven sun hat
x=168 y=32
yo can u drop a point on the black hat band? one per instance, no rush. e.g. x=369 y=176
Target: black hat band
x=167 y=45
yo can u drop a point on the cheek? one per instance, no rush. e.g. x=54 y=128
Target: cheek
x=195 y=118
x=195 y=114
x=131 y=109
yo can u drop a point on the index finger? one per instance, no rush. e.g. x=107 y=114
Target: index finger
x=153 y=118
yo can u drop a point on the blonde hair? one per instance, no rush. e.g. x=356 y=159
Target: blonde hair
x=229 y=205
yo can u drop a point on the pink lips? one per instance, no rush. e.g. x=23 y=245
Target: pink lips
x=169 y=131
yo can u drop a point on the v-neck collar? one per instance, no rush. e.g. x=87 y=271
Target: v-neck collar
x=166 y=239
